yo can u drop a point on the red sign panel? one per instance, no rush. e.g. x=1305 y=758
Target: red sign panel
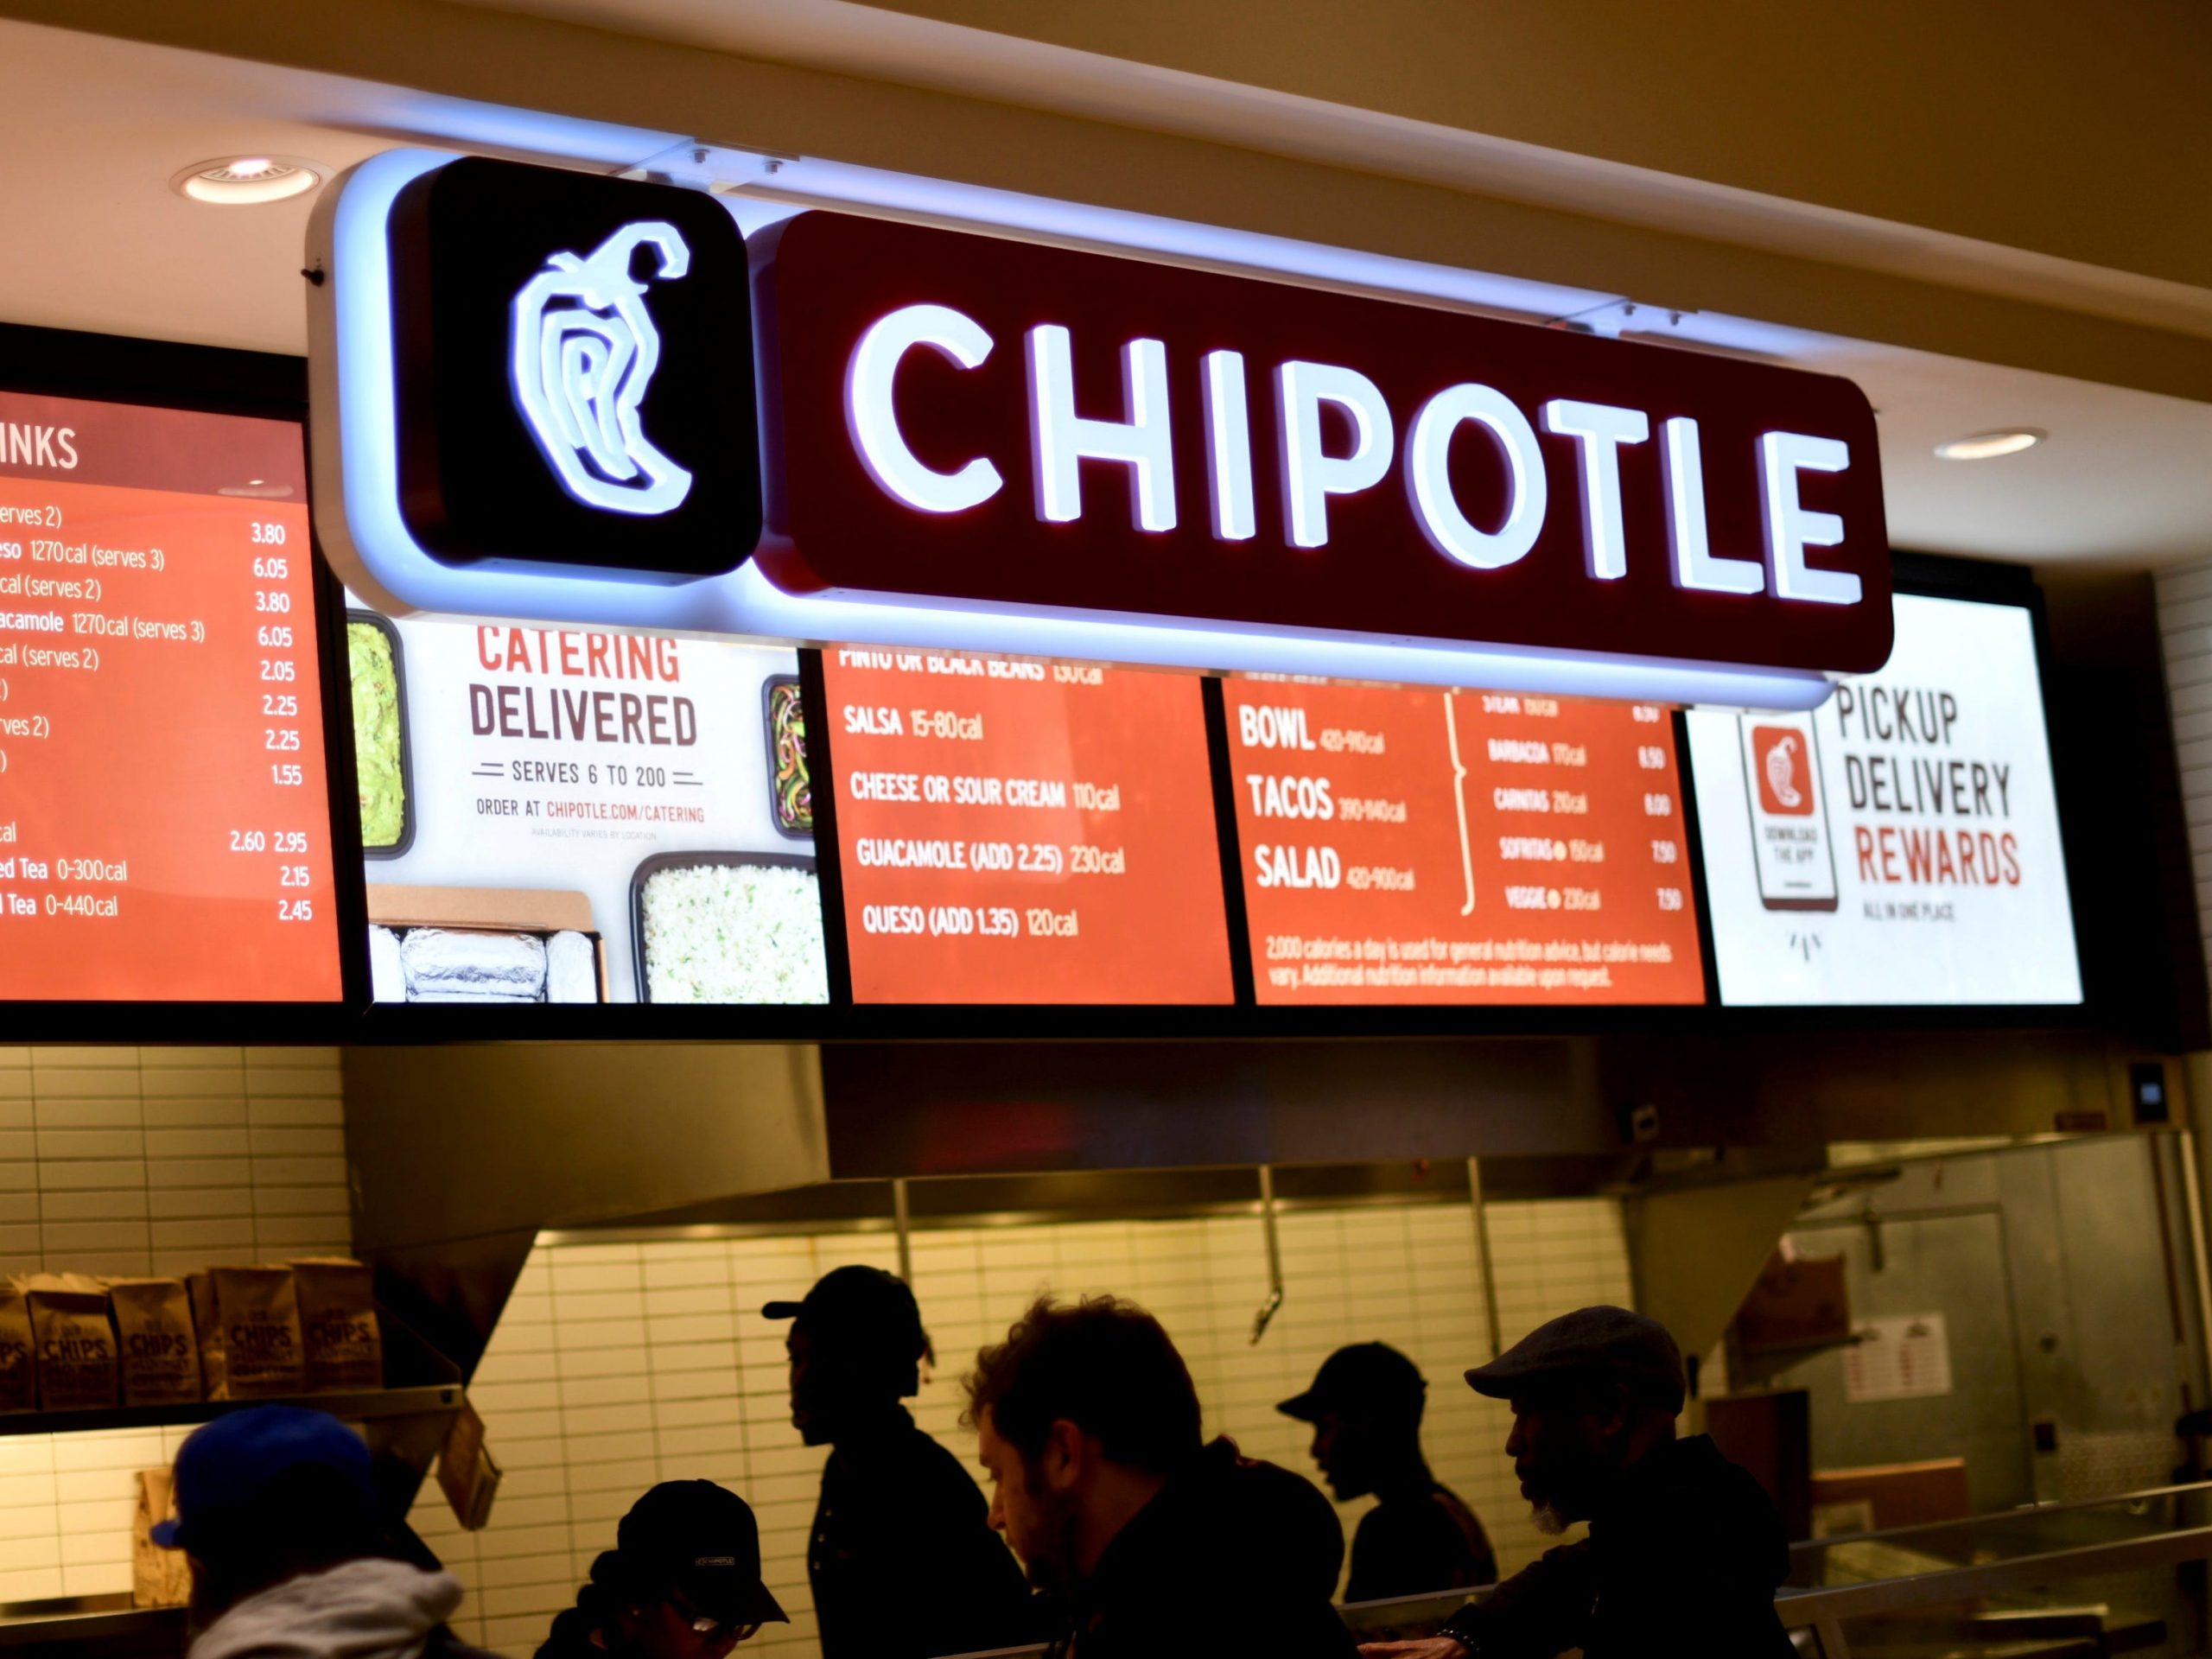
x=968 y=420
x=165 y=830
x=1460 y=847
x=1015 y=832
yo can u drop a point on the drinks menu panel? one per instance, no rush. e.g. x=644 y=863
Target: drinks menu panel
x=1403 y=847
x=165 y=830
x=1024 y=832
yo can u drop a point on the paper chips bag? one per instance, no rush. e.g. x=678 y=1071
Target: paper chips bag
x=338 y=1320
x=156 y=1342
x=75 y=1338
x=257 y=1326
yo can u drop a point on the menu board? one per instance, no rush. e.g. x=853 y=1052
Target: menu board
x=575 y=817
x=1404 y=847
x=165 y=826
x=1900 y=844
x=1024 y=832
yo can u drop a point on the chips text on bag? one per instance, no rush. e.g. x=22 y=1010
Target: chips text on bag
x=76 y=1343
x=258 y=1319
x=18 y=1353
x=338 y=1321
x=155 y=1340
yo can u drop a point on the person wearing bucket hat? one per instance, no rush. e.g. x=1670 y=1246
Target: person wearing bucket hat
x=682 y=1582
x=277 y=1512
x=1365 y=1405
x=1684 y=1550
x=901 y=1558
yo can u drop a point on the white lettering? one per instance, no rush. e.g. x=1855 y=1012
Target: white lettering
x=1601 y=429
x=1696 y=565
x=1060 y=439
x=1791 y=527
x=873 y=421
x=1429 y=477
x=1229 y=447
x=1310 y=476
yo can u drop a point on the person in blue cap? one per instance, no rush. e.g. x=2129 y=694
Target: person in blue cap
x=1684 y=1550
x=682 y=1582
x=277 y=1513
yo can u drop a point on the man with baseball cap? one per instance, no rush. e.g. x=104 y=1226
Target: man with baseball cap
x=682 y=1582
x=277 y=1509
x=1366 y=1406
x=1684 y=1551
x=902 y=1559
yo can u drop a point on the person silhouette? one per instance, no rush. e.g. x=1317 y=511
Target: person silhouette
x=1366 y=1406
x=902 y=1559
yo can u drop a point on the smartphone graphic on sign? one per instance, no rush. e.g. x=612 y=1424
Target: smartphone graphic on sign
x=1790 y=843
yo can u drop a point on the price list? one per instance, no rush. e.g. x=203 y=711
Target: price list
x=164 y=821
x=1022 y=832
x=1455 y=847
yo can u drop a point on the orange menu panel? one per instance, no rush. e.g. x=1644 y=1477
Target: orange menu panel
x=1013 y=831
x=1421 y=847
x=164 y=814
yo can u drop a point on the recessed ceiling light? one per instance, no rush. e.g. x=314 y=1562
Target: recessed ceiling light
x=1988 y=446
x=243 y=180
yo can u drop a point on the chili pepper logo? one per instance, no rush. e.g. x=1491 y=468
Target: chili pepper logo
x=584 y=351
x=1785 y=779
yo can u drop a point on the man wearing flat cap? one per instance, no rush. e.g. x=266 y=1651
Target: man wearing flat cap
x=1684 y=1551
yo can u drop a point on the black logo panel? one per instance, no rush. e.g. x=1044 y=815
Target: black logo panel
x=574 y=361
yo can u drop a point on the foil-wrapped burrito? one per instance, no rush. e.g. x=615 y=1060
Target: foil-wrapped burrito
x=503 y=966
x=387 y=975
x=571 y=969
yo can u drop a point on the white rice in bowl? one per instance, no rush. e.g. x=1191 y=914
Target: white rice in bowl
x=735 y=933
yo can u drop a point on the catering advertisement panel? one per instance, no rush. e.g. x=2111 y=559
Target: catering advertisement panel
x=1900 y=845
x=579 y=816
x=165 y=823
x=1013 y=831
x=1414 y=847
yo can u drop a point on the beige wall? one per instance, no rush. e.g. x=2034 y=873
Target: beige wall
x=2054 y=170
x=137 y=1160
x=618 y=1365
x=2074 y=130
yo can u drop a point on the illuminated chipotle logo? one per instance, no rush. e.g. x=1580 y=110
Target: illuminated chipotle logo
x=971 y=443
x=967 y=419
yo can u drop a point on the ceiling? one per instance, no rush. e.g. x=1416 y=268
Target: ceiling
x=93 y=128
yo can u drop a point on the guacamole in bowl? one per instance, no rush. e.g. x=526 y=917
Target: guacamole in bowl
x=379 y=756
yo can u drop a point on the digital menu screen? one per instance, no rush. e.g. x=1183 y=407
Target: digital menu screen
x=165 y=830
x=1024 y=832
x=1402 y=847
x=570 y=816
x=1899 y=845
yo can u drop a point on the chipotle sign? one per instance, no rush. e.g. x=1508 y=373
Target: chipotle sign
x=967 y=418
x=969 y=442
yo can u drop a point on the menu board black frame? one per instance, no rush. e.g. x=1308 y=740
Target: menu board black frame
x=197 y=379
x=106 y=368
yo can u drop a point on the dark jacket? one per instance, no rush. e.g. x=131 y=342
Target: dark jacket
x=574 y=1627
x=902 y=1558
x=1234 y=1556
x=1419 y=1537
x=1683 y=1561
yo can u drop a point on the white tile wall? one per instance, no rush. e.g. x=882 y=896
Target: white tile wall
x=619 y=1365
x=142 y=1161
x=2185 y=625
